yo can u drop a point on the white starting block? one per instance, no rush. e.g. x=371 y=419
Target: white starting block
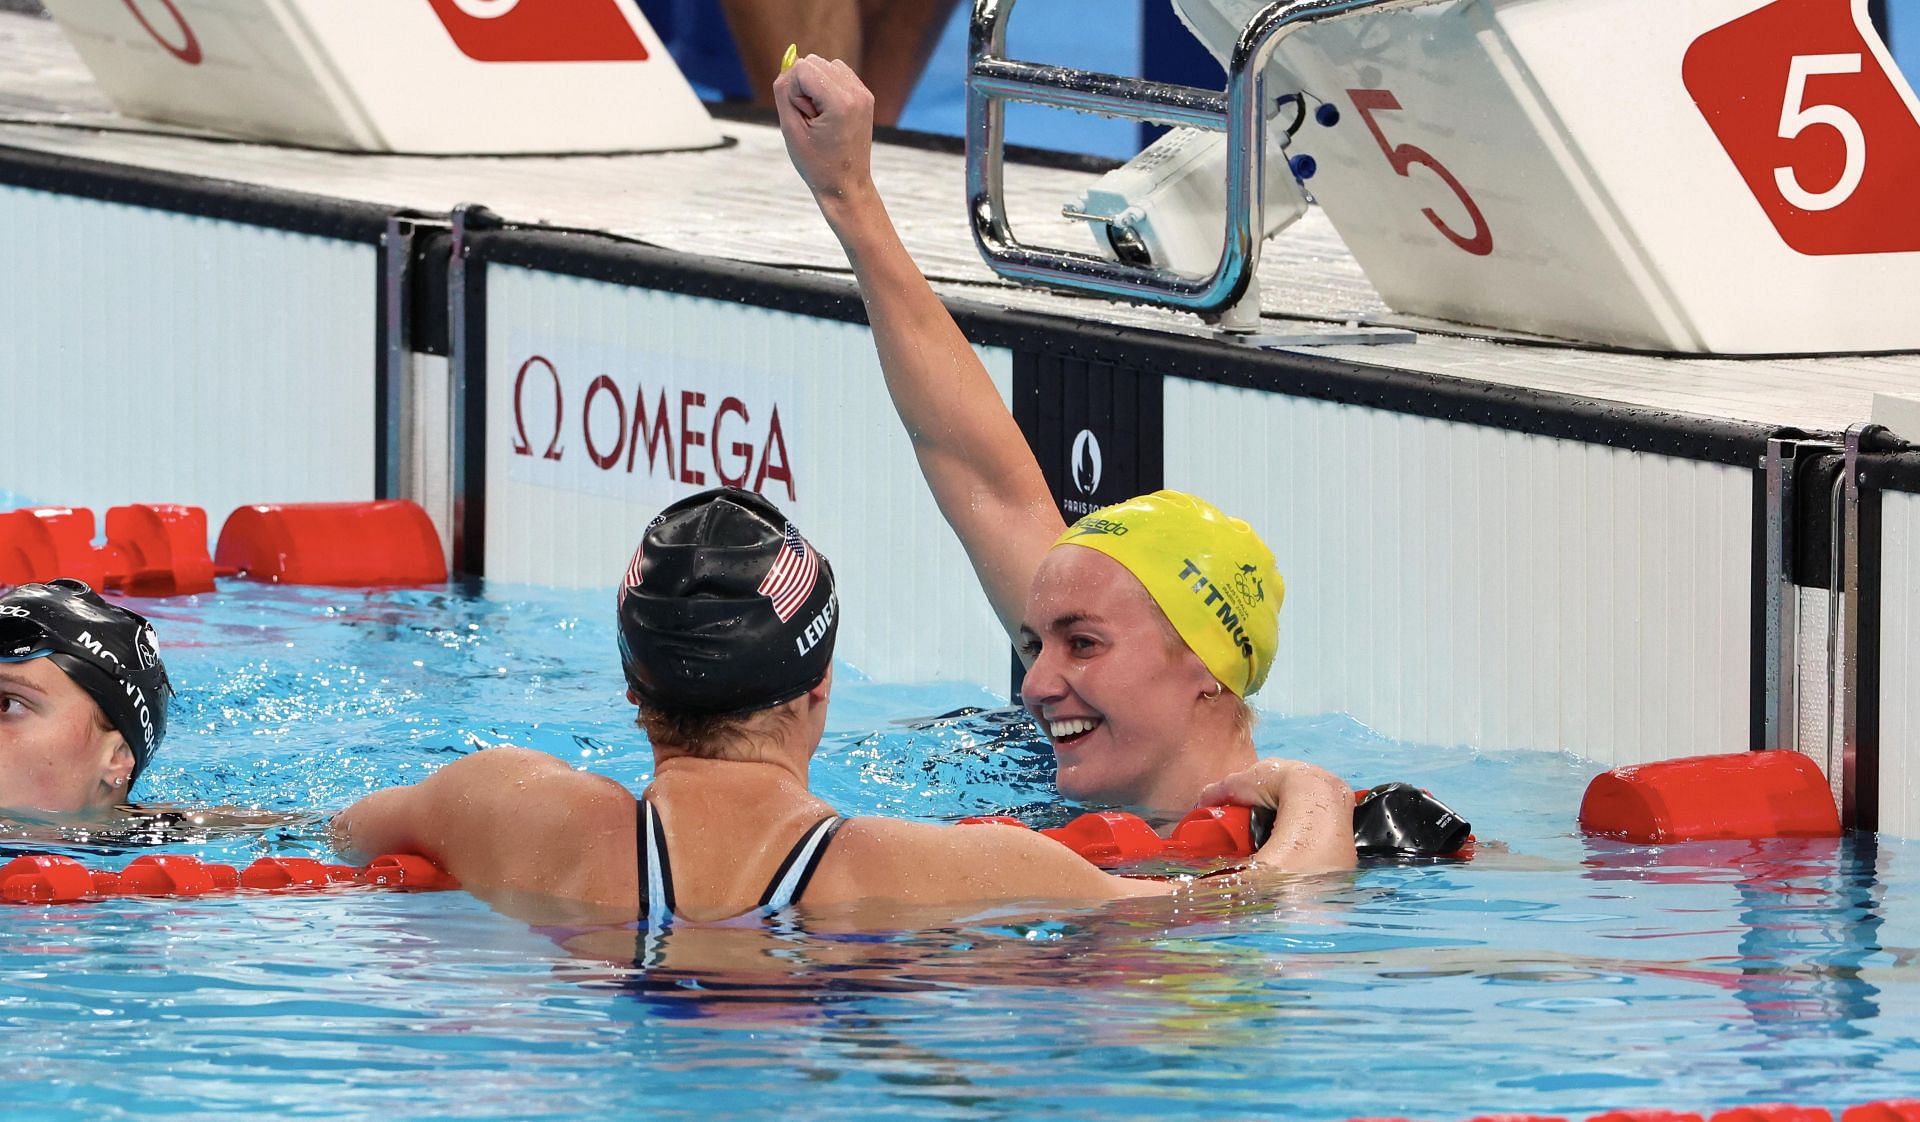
x=1704 y=176
x=1732 y=176
x=426 y=76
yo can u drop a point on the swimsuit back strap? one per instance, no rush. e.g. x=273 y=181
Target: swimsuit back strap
x=656 y=872
x=794 y=873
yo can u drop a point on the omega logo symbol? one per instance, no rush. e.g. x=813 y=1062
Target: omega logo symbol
x=1086 y=462
x=521 y=446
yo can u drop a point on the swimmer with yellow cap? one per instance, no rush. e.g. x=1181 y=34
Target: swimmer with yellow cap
x=1207 y=570
x=732 y=690
x=1145 y=625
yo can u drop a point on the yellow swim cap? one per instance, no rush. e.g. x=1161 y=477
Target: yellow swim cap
x=1209 y=572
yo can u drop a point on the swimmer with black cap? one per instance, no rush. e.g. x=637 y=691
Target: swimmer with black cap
x=727 y=620
x=1144 y=626
x=83 y=700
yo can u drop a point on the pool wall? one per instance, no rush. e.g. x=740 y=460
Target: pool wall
x=1467 y=563
x=1461 y=582
x=154 y=354
x=606 y=402
x=1899 y=664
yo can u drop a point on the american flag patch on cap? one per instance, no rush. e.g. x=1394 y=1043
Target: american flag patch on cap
x=632 y=577
x=789 y=581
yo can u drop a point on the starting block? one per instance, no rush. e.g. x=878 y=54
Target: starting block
x=428 y=76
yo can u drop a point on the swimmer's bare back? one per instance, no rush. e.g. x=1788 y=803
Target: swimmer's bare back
x=551 y=845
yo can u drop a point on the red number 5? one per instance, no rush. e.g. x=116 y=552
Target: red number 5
x=1405 y=156
x=1824 y=132
x=188 y=51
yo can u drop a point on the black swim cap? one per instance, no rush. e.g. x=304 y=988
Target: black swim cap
x=108 y=651
x=725 y=608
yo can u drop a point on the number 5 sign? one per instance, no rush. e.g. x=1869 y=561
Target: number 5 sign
x=1801 y=96
x=540 y=30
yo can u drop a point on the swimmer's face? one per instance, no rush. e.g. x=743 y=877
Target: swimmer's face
x=57 y=752
x=1111 y=684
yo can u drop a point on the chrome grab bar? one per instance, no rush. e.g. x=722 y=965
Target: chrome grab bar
x=993 y=80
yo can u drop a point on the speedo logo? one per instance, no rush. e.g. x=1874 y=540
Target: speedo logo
x=1223 y=608
x=1099 y=526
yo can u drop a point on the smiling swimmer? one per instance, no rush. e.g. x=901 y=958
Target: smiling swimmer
x=1208 y=572
x=83 y=699
x=727 y=618
x=1146 y=625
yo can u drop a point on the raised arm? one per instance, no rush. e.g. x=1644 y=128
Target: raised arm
x=971 y=452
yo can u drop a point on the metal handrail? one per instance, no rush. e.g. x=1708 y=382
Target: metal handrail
x=993 y=79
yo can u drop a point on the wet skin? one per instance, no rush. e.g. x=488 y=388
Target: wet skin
x=1123 y=701
x=57 y=754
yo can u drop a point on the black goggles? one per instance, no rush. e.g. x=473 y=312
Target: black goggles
x=23 y=638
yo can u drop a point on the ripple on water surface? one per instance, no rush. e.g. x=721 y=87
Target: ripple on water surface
x=1551 y=975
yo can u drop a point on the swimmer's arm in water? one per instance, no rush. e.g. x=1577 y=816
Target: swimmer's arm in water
x=1312 y=814
x=503 y=821
x=921 y=863
x=975 y=461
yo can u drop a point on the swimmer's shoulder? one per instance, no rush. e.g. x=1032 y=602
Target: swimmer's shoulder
x=516 y=772
x=525 y=791
x=921 y=861
x=496 y=816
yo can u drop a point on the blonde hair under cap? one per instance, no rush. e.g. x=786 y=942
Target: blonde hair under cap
x=1211 y=575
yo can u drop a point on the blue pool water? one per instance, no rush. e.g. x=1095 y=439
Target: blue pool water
x=1551 y=975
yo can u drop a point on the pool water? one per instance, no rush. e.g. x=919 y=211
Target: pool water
x=1551 y=975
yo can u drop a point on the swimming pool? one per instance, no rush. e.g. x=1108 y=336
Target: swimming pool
x=1554 y=976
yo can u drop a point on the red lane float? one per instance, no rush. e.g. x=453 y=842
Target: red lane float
x=1113 y=837
x=153 y=549
x=62 y=880
x=160 y=548
x=388 y=542
x=1892 y=1110
x=1773 y=1112
x=173 y=874
x=407 y=870
x=39 y=543
x=273 y=873
x=1773 y=794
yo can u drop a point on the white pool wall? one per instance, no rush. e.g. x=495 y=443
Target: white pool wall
x=152 y=356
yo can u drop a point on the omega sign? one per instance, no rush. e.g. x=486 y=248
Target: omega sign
x=613 y=430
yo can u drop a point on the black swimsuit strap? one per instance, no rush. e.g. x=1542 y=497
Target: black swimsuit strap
x=807 y=853
x=788 y=883
x=652 y=847
x=642 y=852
